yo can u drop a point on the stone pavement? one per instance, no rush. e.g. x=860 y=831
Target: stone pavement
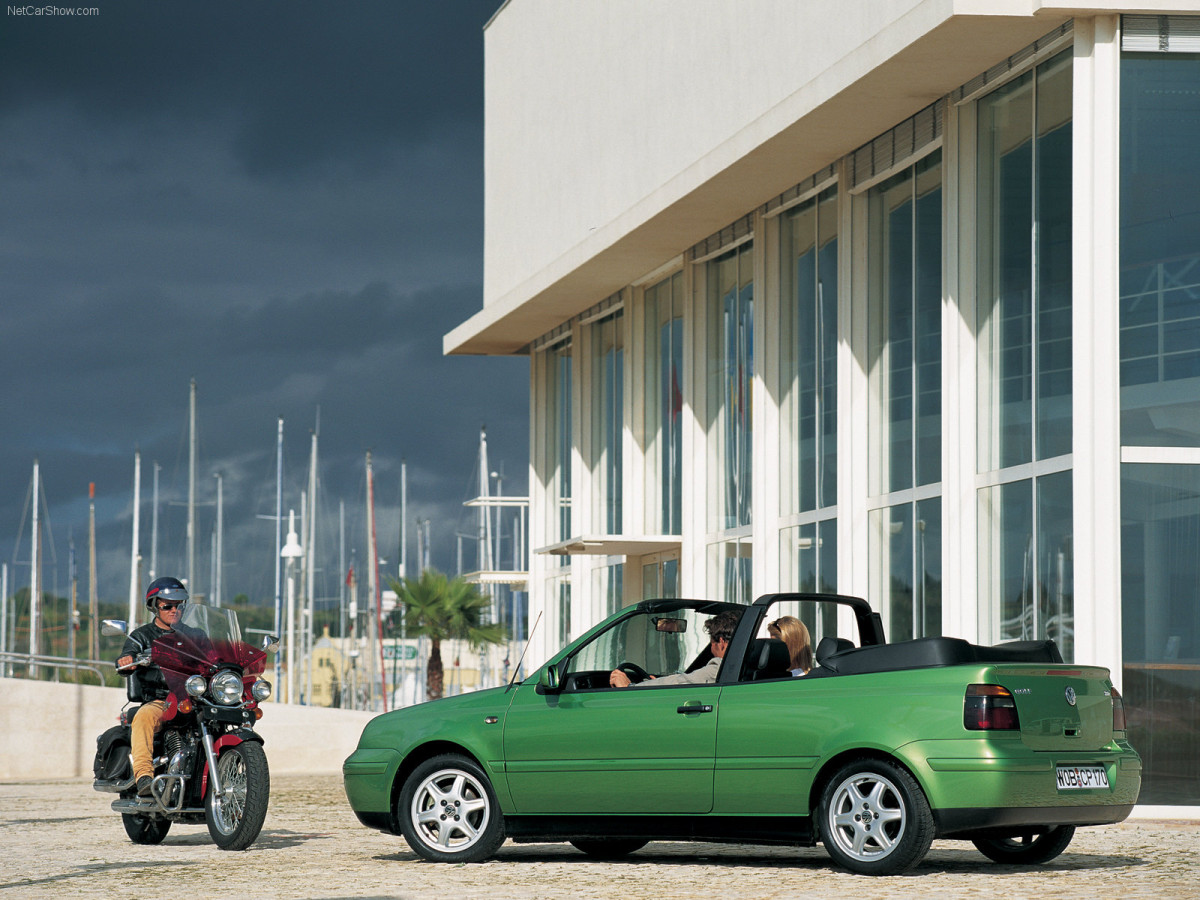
x=60 y=839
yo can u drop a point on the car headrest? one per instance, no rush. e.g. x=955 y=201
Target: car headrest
x=769 y=658
x=830 y=646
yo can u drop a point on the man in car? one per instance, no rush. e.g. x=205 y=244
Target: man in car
x=720 y=630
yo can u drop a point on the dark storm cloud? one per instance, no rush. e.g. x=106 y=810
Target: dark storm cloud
x=306 y=83
x=280 y=200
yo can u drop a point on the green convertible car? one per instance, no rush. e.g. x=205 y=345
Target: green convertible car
x=876 y=751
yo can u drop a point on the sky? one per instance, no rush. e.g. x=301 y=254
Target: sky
x=282 y=201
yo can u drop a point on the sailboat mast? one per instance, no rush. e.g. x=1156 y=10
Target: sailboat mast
x=133 y=560
x=278 y=538
x=4 y=667
x=154 y=527
x=93 y=591
x=35 y=589
x=74 y=576
x=219 y=549
x=373 y=581
x=403 y=569
x=310 y=542
x=191 y=515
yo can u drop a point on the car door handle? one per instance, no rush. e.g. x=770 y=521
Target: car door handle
x=694 y=708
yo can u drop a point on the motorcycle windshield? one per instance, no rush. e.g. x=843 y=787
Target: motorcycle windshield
x=206 y=637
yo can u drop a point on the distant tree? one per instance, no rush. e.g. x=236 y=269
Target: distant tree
x=443 y=609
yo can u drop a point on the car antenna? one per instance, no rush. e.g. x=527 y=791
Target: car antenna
x=521 y=659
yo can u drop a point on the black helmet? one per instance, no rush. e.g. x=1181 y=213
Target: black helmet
x=166 y=588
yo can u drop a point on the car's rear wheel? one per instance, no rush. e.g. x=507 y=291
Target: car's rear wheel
x=608 y=848
x=448 y=811
x=874 y=818
x=1028 y=848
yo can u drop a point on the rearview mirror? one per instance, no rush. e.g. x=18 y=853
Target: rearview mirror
x=112 y=627
x=270 y=643
x=671 y=626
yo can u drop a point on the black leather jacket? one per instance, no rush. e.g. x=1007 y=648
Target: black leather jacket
x=150 y=683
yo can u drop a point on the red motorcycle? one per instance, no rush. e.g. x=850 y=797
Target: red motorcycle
x=209 y=763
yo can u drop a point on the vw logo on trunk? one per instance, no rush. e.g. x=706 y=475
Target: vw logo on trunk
x=1071 y=696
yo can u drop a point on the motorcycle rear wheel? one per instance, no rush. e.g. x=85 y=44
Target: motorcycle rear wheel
x=144 y=830
x=235 y=819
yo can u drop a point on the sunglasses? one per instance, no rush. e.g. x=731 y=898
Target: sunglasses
x=165 y=607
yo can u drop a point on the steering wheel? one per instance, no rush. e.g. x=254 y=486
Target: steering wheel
x=635 y=672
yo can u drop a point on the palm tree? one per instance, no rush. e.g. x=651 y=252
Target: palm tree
x=443 y=609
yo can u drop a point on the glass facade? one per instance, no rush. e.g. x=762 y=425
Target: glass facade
x=730 y=362
x=557 y=437
x=1026 y=559
x=808 y=342
x=730 y=570
x=808 y=391
x=809 y=557
x=608 y=590
x=660 y=579
x=1160 y=626
x=905 y=328
x=1024 y=264
x=1160 y=413
x=663 y=411
x=1160 y=250
x=905 y=411
x=608 y=422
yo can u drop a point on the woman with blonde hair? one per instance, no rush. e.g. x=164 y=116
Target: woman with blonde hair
x=794 y=633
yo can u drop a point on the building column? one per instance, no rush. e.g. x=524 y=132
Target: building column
x=1095 y=328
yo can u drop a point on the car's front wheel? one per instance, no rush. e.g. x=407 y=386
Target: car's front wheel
x=448 y=811
x=874 y=818
x=1027 y=849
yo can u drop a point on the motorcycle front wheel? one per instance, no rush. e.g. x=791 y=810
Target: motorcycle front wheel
x=236 y=817
x=144 y=830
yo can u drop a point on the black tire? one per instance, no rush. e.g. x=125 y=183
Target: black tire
x=608 y=848
x=1027 y=848
x=448 y=811
x=874 y=818
x=145 y=830
x=236 y=817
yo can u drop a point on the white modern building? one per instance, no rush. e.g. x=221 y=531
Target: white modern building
x=898 y=298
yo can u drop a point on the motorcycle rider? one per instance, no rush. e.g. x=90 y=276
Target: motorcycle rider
x=166 y=597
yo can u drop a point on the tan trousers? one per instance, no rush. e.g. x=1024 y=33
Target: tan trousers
x=146 y=724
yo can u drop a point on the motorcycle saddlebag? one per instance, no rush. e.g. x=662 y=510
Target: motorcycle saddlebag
x=112 y=754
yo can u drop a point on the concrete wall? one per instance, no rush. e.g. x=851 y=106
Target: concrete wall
x=49 y=731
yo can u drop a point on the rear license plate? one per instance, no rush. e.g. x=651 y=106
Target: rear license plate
x=1076 y=778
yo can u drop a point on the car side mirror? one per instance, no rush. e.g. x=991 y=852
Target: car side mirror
x=549 y=681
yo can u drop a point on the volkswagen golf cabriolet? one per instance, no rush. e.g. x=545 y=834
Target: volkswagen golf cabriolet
x=876 y=751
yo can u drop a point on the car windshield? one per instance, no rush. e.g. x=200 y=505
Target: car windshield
x=659 y=642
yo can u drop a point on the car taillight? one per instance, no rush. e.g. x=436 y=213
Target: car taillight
x=1118 y=711
x=989 y=707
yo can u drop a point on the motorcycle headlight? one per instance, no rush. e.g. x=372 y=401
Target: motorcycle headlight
x=196 y=686
x=227 y=688
x=260 y=690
